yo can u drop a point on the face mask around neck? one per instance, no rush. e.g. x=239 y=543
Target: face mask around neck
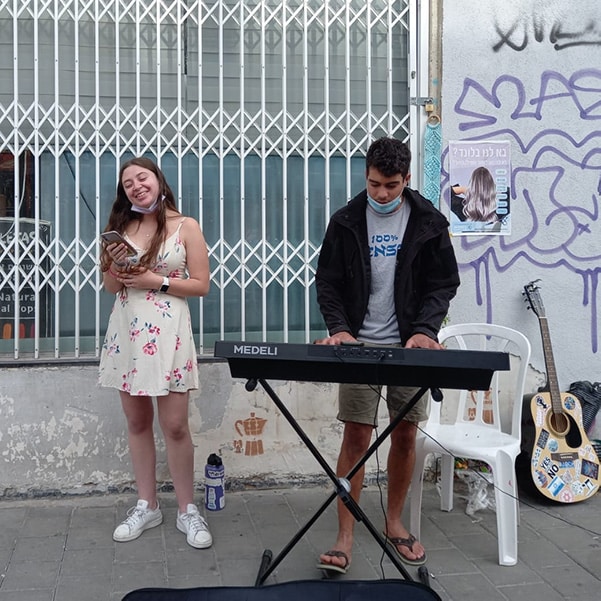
x=147 y=210
x=384 y=209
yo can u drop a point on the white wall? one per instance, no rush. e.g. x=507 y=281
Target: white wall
x=530 y=72
x=62 y=434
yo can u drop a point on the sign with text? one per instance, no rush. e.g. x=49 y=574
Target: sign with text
x=24 y=300
x=480 y=174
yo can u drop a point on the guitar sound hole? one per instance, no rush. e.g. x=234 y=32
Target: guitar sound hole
x=563 y=424
x=559 y=423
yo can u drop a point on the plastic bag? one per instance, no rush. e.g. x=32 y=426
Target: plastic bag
x=478 y=479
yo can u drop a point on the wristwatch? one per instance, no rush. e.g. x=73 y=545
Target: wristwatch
x=165 y=285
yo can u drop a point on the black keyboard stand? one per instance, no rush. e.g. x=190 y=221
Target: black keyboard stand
x=342 y=485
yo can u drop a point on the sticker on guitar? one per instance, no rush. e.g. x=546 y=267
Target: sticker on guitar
x=564 y=464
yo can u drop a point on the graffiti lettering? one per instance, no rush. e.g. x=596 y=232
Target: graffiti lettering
x=481 y=107
x=556 y=230
x=517 y=36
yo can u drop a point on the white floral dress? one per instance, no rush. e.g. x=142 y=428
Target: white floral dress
x=149 y=349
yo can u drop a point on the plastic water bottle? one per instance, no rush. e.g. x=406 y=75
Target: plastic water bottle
x=214 y=483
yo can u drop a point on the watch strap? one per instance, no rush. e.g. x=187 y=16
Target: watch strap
x=165 y=285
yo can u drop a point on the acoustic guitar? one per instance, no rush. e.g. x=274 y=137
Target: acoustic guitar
x=564 y=464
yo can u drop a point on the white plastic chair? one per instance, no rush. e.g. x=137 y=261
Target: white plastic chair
x=486 y=427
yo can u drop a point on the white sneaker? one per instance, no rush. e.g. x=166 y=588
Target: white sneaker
x=195 y=527
x=139 y=518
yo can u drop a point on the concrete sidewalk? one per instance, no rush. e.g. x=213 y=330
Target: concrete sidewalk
x=62 y=549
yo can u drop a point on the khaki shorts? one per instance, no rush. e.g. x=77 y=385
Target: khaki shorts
x=359 y=403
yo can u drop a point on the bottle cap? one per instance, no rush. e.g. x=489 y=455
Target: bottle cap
x=214 y=459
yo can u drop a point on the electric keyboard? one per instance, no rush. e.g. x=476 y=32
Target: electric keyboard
x=449 y=368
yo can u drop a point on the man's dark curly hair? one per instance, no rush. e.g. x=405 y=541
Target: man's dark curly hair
x=389 y=157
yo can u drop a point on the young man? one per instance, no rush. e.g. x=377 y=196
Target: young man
x=386 y=274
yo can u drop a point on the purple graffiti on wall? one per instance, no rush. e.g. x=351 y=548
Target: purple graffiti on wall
x=558 y=182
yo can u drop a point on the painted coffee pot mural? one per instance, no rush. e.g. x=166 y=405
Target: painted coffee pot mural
x=250 y=429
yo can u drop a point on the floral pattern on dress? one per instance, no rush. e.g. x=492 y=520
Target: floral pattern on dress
x=149 y=347
x=110 y=346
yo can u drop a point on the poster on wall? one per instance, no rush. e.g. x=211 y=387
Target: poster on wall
x=479 y=175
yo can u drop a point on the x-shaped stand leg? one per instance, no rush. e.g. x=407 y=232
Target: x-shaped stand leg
x=342 y=485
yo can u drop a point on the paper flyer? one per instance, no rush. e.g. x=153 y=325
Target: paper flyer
x=479 y=177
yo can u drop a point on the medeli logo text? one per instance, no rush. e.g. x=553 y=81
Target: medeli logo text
x=244 y=349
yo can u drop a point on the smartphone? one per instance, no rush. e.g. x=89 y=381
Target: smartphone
x=113 y=236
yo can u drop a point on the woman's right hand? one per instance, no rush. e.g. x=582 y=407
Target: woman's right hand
x=118 y=253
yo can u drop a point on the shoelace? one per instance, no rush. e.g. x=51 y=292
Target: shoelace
x=134 y=515
x=195 y=522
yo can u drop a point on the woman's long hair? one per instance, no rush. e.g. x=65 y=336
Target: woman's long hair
x=480 y=201
x=122 y=215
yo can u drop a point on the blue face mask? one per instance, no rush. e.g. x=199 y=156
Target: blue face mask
x=147 y=210
x=386 y=208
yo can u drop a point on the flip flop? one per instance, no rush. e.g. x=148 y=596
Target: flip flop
x=396 y=541
x=330 y=567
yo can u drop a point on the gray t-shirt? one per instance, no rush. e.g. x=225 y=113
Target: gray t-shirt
x=385 y=235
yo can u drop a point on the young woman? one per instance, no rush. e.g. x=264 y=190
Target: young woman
x=149 y=349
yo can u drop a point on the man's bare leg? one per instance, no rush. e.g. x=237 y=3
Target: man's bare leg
x=355 y=441
x=401 y=460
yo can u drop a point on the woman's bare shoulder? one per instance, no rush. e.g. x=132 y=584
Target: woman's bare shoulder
x=190 y=228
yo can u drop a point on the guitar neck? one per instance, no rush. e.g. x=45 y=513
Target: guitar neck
x=550 y=366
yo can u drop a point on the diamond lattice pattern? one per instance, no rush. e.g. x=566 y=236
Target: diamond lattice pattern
x=258 y=111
